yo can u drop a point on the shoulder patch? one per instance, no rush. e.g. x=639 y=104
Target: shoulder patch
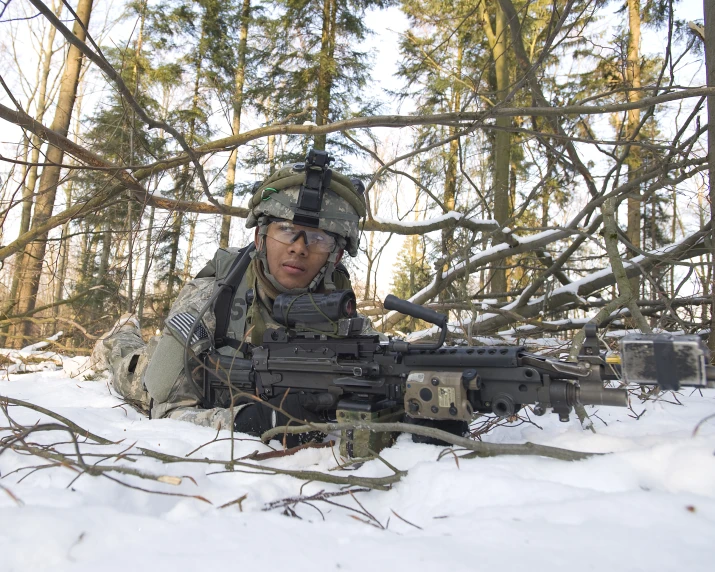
x=181 y=324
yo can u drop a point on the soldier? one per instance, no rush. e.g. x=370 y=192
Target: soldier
x=305 y=216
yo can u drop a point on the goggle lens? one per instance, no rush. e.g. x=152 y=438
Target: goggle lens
x=315 y=240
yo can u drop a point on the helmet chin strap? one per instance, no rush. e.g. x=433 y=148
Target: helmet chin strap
x=325 y=274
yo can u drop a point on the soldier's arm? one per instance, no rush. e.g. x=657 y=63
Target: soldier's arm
x=173 y=394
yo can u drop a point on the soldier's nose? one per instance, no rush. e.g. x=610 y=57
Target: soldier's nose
x=298 y=245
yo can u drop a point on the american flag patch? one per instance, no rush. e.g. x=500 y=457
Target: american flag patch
x=182 y=322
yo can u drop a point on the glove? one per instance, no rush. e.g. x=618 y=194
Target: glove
x=257 y=418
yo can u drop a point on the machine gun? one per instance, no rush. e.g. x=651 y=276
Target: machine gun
x=321 y=350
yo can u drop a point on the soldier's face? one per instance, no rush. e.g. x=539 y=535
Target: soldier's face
x=294 y=264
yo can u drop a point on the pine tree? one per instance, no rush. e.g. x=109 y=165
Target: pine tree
x=311 y=70
x=412 y=273
x=114 y=132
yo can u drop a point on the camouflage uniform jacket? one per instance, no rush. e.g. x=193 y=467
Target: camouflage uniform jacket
x=172 y=394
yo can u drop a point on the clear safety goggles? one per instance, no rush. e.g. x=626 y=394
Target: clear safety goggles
x=315 y=240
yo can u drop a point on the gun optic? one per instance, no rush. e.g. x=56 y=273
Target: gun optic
x=315 y=310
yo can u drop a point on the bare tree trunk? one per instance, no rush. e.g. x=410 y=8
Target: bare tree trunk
x=174 y=256
x=628 y=296
x=236 y=125
x=64 y=256
x=271 y=154
x=633 y=80
x=413 y=245
x=189 y=247
x=89 y=248
x=147 y=265
x=709 y=26
x=672 y=239
x=130 y=225
x=64 y=246
x=42 y=103
x=497 y=38
x=325 y=72
x=45 y=201
x=30 y=177
x=130 y=257
x=370 y=252
x=106 y=251
x=545 y=195
x=450 y=175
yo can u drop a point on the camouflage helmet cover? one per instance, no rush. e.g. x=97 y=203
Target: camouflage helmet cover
x=341 y=209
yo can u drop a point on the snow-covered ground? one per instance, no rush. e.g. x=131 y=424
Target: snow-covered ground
x=649 y=504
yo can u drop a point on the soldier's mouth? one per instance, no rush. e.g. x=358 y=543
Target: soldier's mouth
x=291 y=268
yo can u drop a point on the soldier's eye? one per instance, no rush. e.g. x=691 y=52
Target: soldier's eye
x=286 y=228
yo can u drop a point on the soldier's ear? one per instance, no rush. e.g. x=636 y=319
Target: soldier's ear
x=339 y=257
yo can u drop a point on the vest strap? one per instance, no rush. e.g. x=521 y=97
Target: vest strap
x=222 y=307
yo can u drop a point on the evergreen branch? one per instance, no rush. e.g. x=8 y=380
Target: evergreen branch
x=23 y=120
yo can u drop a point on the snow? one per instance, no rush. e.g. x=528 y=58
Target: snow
x=648 y=504
x=541 y=238
x=39 y=361
x=451 y=215
x=575 y=286
x=544 y=237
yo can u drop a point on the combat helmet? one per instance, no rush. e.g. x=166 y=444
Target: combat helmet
x=310 y=194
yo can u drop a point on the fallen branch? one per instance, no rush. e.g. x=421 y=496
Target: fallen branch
x=70 y=424
x=480 y=448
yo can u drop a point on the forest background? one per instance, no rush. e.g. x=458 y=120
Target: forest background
x=529 y=166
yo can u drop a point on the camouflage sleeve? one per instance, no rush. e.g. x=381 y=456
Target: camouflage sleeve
x=215 y=418
x=173 y=394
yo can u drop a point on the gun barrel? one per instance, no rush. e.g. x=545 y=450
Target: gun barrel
x=596 y=394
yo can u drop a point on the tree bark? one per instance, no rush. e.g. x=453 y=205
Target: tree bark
x=64 y=257
x=709 y=25
x=497 y=38
x=106 y=251
x=36 y=143
x=130 y=217
x=185 y=179
x=369 y=253
x=450 y=175
x=626 y=294
x=236 y=125
x=186 y=273
x=173 y=277
x=30 y=176
x=45 y=201
x=633 y=161
x=326 y=70
x=147 y=265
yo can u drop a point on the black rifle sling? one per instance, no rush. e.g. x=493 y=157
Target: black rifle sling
x=222 y=307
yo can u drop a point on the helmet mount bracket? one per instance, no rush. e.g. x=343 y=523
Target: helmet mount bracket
x=317 y=179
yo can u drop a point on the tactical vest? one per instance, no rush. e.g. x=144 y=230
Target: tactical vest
x=231 y=306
